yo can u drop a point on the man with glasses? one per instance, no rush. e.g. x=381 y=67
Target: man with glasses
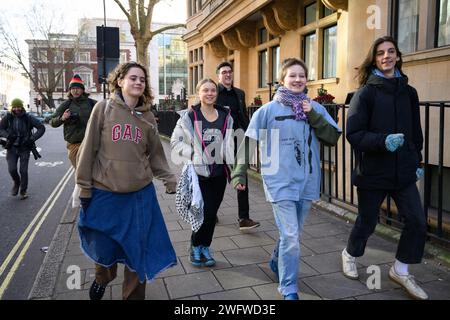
x=234 y=98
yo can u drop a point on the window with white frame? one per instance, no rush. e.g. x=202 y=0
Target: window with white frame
x=43 y=78
x=42 y=55
x=87 y=79
x=60 y=81
x=59 y=57
x=83 y=57
x=86 y=75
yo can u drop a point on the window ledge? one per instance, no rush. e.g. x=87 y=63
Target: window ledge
x=323 y=81
x=430 y=55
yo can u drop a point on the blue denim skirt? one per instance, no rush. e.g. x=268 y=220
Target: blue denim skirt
x=127 y=228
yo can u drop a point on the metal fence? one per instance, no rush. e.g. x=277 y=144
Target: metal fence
x=167 y=121
x=338 y=163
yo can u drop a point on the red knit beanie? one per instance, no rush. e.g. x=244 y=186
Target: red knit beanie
x=76 y=82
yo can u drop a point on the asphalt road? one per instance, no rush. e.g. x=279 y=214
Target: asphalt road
x=28 y=225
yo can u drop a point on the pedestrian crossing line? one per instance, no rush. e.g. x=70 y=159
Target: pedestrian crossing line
x=41 y=216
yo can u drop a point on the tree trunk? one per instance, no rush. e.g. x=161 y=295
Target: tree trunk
x=142 y=51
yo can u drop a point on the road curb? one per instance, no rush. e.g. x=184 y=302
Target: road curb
x=47 y=277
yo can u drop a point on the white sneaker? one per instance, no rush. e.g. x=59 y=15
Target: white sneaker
x=410 y=285
x=349 y=266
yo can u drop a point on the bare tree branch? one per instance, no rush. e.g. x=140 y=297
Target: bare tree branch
x=174 y=26
x=45 y=45
x=122 y=8
x=148 y=20
x=140 y=22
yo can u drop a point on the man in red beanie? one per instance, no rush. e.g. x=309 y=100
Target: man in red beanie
x=74 y=114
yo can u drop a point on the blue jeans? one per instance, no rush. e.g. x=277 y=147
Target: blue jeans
x=289 y=217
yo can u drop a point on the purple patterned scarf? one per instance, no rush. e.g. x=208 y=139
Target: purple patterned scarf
x=295 y=100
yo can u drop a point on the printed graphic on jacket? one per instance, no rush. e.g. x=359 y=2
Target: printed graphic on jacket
x=298 y=152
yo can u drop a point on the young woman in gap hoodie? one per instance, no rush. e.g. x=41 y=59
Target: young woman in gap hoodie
x=203 y=136
x=120 y=220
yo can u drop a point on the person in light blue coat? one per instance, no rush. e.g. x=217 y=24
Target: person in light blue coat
x=289 y=130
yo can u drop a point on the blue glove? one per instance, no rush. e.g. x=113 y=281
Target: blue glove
x=419 y=173
x=85 y=202
x=394 y=141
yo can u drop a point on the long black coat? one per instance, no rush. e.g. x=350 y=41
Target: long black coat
x=242 y=121
x=21 y=127
x=379 y=108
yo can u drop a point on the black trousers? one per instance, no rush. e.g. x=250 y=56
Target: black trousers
x=212 y=190
x=242 y=195
x=412 y=240
x=13 y=155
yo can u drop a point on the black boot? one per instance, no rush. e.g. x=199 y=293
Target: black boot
x=23 y=194
x=15 y=189
x=96 y=291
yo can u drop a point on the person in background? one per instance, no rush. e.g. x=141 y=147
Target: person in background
x=288 y=130
x=74 y=114
x=383 y=127
x=17 y=127
x=234 y=98
x=120 y=219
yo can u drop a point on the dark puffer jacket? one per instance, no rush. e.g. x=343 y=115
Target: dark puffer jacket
x=74 y=127
x=379 y=108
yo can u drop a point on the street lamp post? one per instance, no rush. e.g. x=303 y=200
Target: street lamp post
x=104 y=56
x=270 y=84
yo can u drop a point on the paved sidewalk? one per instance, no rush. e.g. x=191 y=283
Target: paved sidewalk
x=242 y=271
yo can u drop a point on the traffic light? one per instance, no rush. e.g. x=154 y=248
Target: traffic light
x=36 y=101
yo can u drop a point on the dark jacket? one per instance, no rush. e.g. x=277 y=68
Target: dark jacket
x=242 y=119
x=379 y=108
x=20 y=129
x=74 y=127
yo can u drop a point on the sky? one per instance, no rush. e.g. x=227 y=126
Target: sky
x=170 y=11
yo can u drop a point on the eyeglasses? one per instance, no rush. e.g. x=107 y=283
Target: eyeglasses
x=226 y=72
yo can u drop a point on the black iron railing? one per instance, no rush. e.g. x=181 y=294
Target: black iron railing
x=167 y=121
x=338 y=163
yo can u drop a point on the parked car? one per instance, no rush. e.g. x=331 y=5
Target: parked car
x=37 y=116
x=3 y=113
x=47 y=115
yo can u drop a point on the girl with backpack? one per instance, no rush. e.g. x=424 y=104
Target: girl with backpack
x=120 y=219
